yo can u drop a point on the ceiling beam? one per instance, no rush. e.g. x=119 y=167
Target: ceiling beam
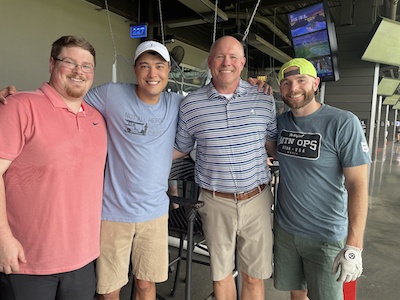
x=204 y=7
x=267 y=48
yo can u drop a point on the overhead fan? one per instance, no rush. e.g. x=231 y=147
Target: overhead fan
x=177 y=54
x=192 y=78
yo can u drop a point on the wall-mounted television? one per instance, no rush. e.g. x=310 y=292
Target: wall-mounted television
x=313 y=37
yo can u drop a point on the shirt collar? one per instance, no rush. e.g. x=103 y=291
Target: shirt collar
x=241 y=90
x=54 y=97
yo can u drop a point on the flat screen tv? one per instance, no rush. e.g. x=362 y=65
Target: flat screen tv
x=313 y=37
x=312 y=44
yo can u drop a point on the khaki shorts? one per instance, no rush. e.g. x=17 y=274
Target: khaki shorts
x=245 y=222
x=146 y=243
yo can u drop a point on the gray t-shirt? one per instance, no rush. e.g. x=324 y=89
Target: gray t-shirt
x=312 y=152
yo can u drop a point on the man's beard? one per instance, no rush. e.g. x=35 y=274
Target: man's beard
x=75 y=92
x=295 y=104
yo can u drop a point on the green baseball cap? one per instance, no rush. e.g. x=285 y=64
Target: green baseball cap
x=304 y=68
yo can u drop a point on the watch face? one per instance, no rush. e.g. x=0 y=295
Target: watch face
x=350 y=254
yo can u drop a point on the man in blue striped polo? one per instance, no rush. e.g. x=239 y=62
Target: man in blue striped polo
x=234 y=126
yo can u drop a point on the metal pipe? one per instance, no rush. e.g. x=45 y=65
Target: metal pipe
x=393 y=9
x=264 y=21
x=373 y=111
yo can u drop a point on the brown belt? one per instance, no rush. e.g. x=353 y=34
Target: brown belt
x=239 y=196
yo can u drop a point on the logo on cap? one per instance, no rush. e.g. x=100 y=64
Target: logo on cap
x=304 y=67
x=152 y=46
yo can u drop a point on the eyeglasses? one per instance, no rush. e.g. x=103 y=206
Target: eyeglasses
x=68 y=63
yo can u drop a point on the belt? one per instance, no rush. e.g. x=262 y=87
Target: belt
x=239 y=196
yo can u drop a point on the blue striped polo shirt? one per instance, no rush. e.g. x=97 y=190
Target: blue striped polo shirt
x=230 y=136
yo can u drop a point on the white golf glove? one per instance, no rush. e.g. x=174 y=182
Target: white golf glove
x=350 y=261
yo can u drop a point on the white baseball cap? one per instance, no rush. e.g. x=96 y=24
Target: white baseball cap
x=152 y=46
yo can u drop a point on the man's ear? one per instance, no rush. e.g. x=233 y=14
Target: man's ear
x=316 y=83
x=51 y=64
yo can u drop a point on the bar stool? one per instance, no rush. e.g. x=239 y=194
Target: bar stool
x=184 y=221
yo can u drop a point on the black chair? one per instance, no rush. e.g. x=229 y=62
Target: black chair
x=185 y=220
x=274 y=169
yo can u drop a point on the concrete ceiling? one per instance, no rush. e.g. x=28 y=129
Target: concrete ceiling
x=192 y=21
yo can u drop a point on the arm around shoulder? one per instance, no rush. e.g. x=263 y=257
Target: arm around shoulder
x=177 y=154
x=261 y=85
x=5 y=92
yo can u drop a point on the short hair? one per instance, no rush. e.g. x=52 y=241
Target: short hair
x=222 y=39
x=67 y=41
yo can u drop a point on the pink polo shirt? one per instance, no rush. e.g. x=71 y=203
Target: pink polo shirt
x=54 y=184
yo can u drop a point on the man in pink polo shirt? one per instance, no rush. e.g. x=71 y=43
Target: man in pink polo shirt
x=52 y=156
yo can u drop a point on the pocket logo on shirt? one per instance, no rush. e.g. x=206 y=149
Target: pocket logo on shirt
x=133 y=127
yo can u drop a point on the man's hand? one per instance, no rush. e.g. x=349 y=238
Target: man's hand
x=11 y=255
x=7 y=92
x=350 y=261
x=261 y=85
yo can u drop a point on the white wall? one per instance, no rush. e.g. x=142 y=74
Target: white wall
x=29 y=27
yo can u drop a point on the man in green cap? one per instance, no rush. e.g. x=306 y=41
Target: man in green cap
x=322 y=195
